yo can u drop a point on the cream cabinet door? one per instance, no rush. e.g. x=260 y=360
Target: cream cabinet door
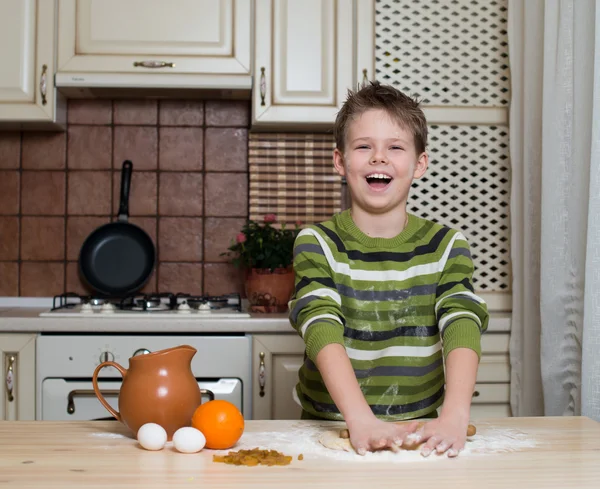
x=27 y=54
x=154 y=36
x=307 y=54
x=275 y=364
x=17 y=389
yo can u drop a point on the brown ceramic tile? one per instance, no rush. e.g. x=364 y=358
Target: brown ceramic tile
x=227 y=113
x=9 y=192
x=180 y=194
x=180 y=277
x=89 y=147
x=44 y=150
x=42 y=279
x=75 y=283
x=135 y=112
x=142 y=195
x=150 y=286
x=180 y=148
x=10 y=150
x=219 y=232
x=138 y=144
x=9 y=285
x=42 y=238
x=90 y=111
x=181 y=112
x=89 y=192
x=222 y=278
x=226 y=194
x=148 y=224
x=43 y=193
x=9 y=238
x=226 y=149
x=180 y=239
x=78 y=229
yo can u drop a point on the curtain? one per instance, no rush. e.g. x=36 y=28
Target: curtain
x=555 y=229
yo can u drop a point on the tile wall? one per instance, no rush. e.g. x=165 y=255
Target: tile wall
x=189 y=192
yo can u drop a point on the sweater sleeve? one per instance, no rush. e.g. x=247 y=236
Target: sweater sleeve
x=462 y=315
x=315 y=306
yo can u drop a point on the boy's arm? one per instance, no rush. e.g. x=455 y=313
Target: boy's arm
x=315 y=306
x=462 y=318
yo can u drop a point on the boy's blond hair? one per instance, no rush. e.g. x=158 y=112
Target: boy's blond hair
x=402 y=109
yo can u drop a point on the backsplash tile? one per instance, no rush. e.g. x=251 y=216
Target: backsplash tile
x=57 y=188
x=9 y=192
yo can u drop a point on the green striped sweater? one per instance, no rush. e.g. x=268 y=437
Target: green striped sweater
x=398 y=305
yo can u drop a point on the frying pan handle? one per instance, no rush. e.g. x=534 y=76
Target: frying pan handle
x=125 y=186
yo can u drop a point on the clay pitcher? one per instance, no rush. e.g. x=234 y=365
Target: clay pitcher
x=158 y=387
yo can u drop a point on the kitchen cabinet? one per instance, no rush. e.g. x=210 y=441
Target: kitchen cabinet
x=307 y=54
x=17 y=388
x=179 y=43
x=277 y=358
x=28 y=98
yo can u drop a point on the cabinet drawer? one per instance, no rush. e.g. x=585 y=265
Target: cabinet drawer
x=495 y=343
x=498 y=410
x=493 y=368
x=491 y=393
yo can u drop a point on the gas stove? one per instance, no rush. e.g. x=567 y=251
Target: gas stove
x=160 y=305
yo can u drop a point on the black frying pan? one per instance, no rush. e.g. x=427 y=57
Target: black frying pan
x=117 y=259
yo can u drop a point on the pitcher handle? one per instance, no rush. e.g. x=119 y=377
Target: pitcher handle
x=97 y=390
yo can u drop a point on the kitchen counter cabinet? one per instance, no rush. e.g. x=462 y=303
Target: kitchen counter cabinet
x=17 y=385
x=28 y=98
x=102 y=454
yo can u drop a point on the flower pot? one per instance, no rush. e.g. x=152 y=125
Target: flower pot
x=269 y=291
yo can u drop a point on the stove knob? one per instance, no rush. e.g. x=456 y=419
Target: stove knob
x=141 y=351
x=106 y=356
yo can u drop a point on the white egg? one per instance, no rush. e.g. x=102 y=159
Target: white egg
x=152 y=436
x=188 y=440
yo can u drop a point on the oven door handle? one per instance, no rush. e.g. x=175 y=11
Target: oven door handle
x=86 y=393
x=209 y=393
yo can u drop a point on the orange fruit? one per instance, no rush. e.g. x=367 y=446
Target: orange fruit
x=221 y=423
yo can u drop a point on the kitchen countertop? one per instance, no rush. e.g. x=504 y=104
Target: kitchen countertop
x=27 y=320
x=544 y=452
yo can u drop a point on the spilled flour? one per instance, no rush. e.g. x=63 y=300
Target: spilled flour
x=304 y=440
x=108 y=435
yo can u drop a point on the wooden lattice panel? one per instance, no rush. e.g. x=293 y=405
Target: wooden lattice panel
x=444 y=52
x=467 y=187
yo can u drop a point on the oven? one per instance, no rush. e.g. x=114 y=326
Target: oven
x=65 y=364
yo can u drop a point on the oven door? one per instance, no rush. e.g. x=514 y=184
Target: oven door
x=64 y=400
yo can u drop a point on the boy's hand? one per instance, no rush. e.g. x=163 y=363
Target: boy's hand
x=374 y=434
x=444 y=434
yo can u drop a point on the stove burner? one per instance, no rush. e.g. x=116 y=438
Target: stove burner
x=148 y=302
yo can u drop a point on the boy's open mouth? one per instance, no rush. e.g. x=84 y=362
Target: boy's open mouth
x=378 y=181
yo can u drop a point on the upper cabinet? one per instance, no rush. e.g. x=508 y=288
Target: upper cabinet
x=114 y=42
x=307 y=54
x=27 y=51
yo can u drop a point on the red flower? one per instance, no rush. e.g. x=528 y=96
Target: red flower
x=240 y=238
x=299 y=223
x=270 y=217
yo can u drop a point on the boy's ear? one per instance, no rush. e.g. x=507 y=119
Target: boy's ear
x=421 y=166
x=338 y=162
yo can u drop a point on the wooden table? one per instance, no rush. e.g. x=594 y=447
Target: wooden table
x=103 y=454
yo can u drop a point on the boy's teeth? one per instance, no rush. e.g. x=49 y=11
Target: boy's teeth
x=379 y=175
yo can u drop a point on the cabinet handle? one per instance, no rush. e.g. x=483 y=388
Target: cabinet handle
x=263 y=86
x=476 y=394
x=365 y=79
x=210 y=394
x=261 y=374
x=10 y=377
x=153 y=64
x=86 y=393
x=44 y=84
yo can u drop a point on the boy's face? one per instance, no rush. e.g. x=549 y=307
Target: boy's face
x=379 y=162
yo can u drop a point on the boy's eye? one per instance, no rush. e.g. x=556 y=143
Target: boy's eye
x=397 y=147
x=362 y=146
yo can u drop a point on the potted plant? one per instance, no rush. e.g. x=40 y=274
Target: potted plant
x=265 y=253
